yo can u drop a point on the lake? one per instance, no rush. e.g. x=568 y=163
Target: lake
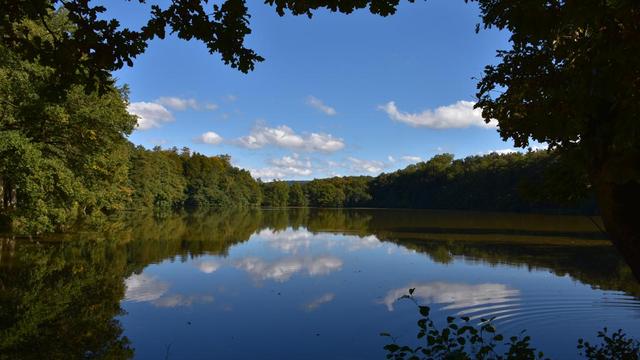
x=306 y=283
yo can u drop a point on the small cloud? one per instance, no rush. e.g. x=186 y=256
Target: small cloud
x=211 y=106
x=458 y=115
x=231 y=98
x=391 y=159
x=539 y=147
x=283 y=136
x=177 y=103
x=411 y=159
x=158 y=141
x=285 y=167
x=210 y=138
x=502 y=151
x=150 y=115
x=368 y=166
x=320 y=105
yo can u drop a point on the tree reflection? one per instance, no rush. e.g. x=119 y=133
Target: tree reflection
x=61 y=296
x=60 y=301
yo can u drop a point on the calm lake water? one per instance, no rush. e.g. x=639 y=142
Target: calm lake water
x=306 y=284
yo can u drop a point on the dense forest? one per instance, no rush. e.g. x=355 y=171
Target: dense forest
x=500 y=182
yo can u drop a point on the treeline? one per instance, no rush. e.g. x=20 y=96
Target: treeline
x=499 y=182
x=170 y=179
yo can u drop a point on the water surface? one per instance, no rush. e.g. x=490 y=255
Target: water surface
x=306 y=284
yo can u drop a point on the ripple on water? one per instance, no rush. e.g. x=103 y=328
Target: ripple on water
x=515 y=312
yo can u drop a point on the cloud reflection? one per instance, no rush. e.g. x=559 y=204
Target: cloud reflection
x=208 y=267
x=283 y=269
x=365 y=242
x=456 y=295
x=141 y=287
x=289 y=240
x=292 y=241
x=178 y=300
x=314 y=304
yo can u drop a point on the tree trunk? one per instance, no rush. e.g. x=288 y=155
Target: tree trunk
x=1 y=192
x=619 y=207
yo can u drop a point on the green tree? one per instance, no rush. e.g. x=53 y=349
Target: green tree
x=157 y=179
x=323 y=193
x=276 y=193
x=63 y=153
x=570 y=80
x=206 y=183
x=297 y=196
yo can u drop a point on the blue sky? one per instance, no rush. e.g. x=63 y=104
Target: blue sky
x=336 y=95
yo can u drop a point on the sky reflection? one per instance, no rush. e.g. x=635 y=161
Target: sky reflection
x=455 y=295
x=283 y=269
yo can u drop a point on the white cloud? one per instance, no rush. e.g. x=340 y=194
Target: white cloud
x=284 y=167
x=283 y=269
x=268 y=173
x=210 y=138
x=283 y=136
x=367 y=166
x=538 y=147
x=458 y=115
x=293 y=165
x=532 y=147
x=231 y=98
x=142 y=288
x=411 y=159
x=320 y=105
x=150 y=115
x=502 y=151
x=456 y=295
x=177 y=103
x=211 y=106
